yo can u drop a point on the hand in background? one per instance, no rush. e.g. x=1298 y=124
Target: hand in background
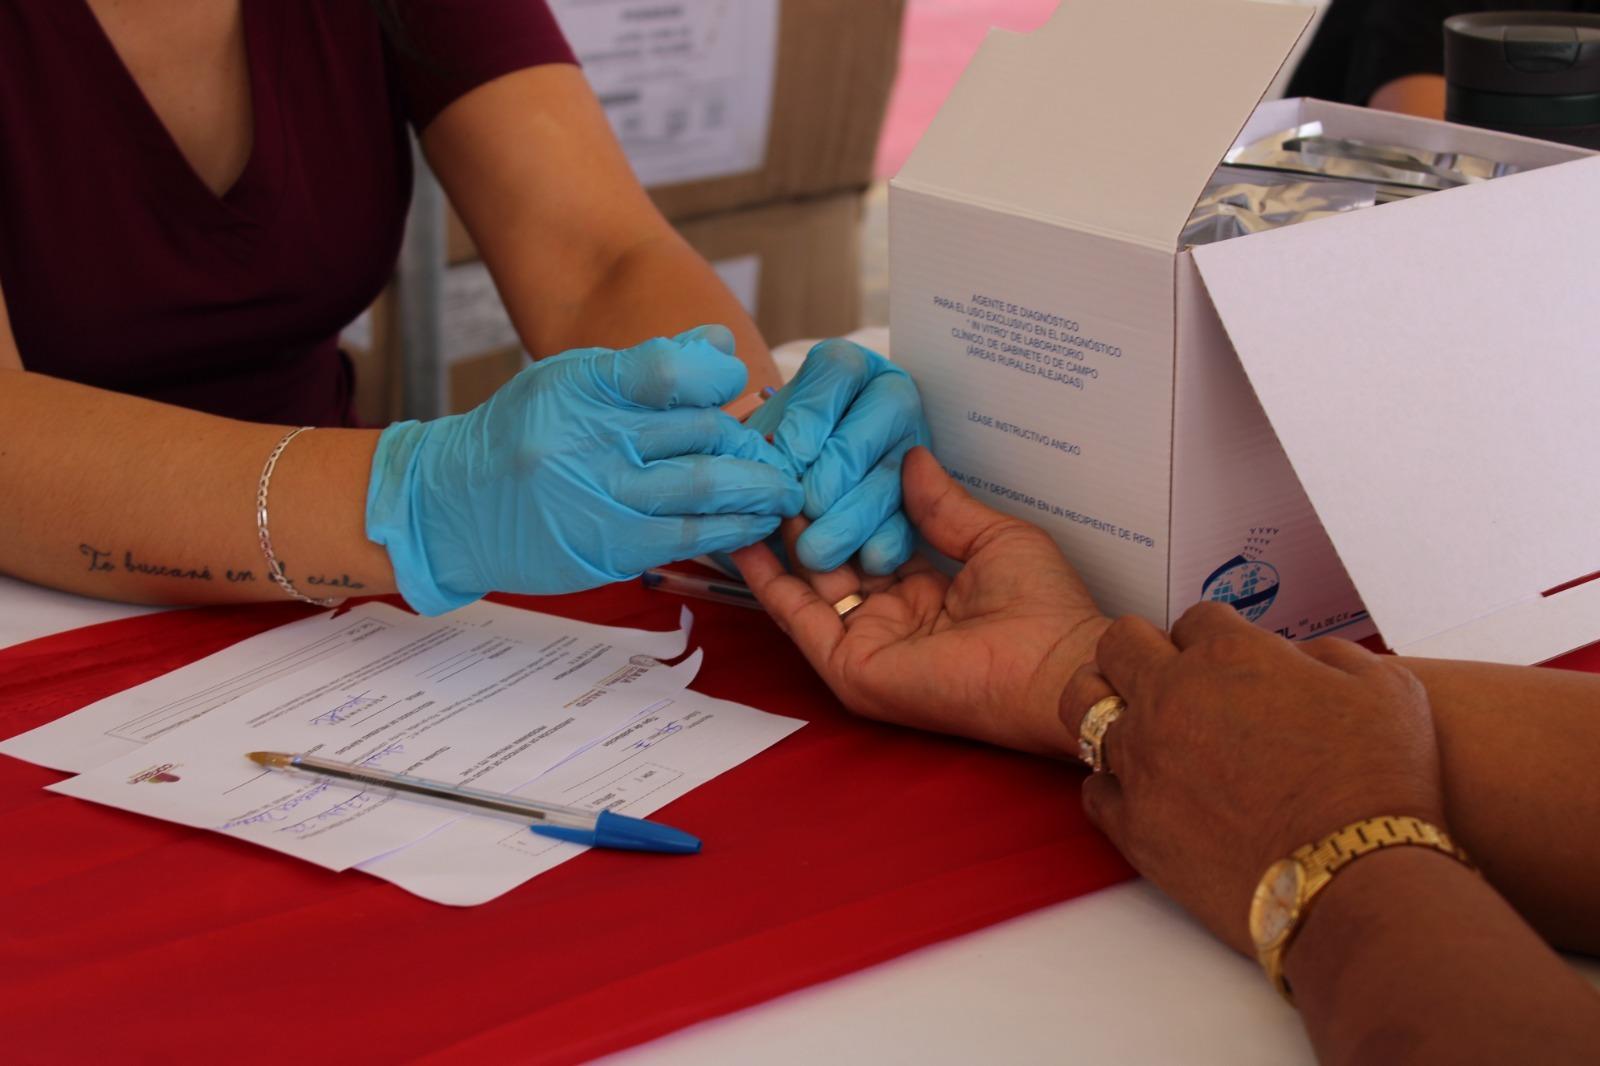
x=1238 y=747
x=586 y=468
x=843 y=425
x=986 y=654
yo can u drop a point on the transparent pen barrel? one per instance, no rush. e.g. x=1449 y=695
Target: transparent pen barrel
x=460 y=798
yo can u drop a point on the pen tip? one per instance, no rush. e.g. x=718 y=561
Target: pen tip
x=272 y=760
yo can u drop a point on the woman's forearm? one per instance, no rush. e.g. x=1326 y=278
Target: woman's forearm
x=663 y=287
x=122 y=498
x=580 y=255
x=1408 y=957
x=1518 y=747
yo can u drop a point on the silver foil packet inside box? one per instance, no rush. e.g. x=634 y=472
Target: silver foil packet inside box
x=1300 y=174
x=1398 y=171
x=1238 y=202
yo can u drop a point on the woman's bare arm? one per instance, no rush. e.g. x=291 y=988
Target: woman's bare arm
x=126 y=499
x=579 y=253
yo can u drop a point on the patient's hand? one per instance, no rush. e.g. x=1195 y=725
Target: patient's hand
x=985 y=655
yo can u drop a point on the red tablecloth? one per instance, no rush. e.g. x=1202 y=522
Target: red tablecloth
x=125 y=939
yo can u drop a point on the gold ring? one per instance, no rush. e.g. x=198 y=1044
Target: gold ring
x=848 y=604
x=1092 y=730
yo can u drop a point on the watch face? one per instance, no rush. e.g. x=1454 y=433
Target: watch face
x=1276 y=903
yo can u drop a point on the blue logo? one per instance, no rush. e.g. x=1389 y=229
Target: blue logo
x=1248 y=585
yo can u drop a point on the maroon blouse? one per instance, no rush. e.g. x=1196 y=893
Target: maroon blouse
x=121 y=268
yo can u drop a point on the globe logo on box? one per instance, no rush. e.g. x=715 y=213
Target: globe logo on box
x=1248 y=585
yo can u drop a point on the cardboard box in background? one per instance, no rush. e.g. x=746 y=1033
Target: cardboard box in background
x=372 y=342
x=683 y=83
x=475 y=378
x=678 y=80
x=752 y=123
x=805 y=257
x=687 y=86
x=1399 y=396
x=479 y=345
x=795 y=266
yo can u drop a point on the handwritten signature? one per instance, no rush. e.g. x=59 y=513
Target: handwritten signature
x=281 y=811
x=661 y=733
x=354 y=803
x=346 y=710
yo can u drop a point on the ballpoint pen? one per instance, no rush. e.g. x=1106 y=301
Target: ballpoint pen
x=602 y=829
x=720 y=590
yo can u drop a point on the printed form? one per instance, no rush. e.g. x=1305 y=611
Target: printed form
x=495 y=697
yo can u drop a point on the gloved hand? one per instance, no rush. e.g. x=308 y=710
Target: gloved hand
x=586 y=468
x=843 y=425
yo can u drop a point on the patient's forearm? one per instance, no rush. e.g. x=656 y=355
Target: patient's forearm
x=1521 y=756
x=121 y=498
x=1408 y=957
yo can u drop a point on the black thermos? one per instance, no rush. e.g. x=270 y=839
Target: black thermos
x=1536 y=73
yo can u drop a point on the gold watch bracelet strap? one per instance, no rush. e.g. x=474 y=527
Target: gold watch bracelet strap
x=1333 y=852
x=1324 y=858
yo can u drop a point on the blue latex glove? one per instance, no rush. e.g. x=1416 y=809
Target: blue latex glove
x=586 y=468
x=843 y=425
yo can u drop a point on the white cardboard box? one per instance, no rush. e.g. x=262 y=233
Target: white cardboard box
x=1421 y=376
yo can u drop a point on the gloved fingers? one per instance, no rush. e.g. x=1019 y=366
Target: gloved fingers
x=707 y=485
x=833 y=374
x=715 y=334
x=890 y=547
x=698 y=431
x=886 y=412
x=667 y=539
x=769 y=416
x=837 y=535
x=689 y=370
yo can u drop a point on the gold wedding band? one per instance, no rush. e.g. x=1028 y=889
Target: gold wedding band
x=1092 y=730
x=848 y=604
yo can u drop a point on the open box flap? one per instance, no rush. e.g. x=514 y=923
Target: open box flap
x=1111 y=117
x=1432 y=369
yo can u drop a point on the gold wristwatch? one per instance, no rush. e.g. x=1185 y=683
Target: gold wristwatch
x=1287 y=888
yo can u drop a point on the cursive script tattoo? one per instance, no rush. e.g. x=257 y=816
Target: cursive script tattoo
x=98 y=560
x=343 y=581
x=103 y=562
x=134 y=566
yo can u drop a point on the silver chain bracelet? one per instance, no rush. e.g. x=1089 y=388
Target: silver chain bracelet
x=275 y=568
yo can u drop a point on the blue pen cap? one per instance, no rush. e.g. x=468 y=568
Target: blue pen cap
x=636 y=834
x=620 y=831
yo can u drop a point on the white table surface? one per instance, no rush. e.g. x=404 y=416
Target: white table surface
x=28 y=611
x=1120 y=976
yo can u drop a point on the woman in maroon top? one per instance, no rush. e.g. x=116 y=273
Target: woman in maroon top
x=196 y=195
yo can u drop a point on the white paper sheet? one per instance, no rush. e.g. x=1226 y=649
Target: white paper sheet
x=687 y=85
x=508 y=700
x=489 y=696
x=124 y=722
x=667 y=750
